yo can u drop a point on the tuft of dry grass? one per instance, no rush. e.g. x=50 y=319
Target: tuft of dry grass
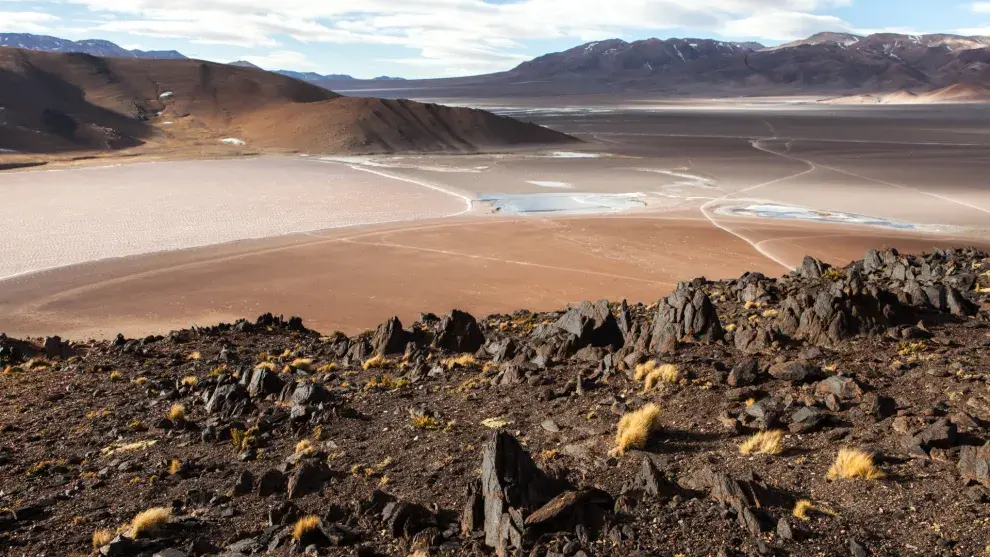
x=854 y=463
x=189 y=381
x=804 y=508
x=267 y=366
x=304 y=526
x=667 y=373
x=140 y=380
x=764 y=442
x=636 y=427
x=115 y=375
x=464 y=360
x=177 y=412
x=304 y=447
x=426 y=422
x=377 y=362
x=328 y=368
x=102 y=537
x=644 y=369
x=304 y=364
x=195 y=356
x=175 y=467
x=148 y=522
x=242 y=439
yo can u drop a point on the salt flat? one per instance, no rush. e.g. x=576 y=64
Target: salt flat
x=54 y=218
x=654 y=196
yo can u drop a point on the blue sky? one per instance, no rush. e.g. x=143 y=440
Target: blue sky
x=440 y=38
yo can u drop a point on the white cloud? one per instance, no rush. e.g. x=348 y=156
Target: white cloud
x=466 y=34
x=784 y=26
x=26 y=22
x=980 y=7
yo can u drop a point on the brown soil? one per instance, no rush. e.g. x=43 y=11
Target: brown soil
x=412 y=430
x=56 y=103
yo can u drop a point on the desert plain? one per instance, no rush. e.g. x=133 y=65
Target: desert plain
x=656 y=192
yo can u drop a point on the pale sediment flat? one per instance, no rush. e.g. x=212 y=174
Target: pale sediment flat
x=54 y=218
x=653 y=198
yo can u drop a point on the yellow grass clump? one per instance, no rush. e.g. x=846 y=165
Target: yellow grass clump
x=464 y=360
x=174 y=467
x=267 y=366
x=102 y=537
x=304 y=447
x=115 y=376
x=304 y=364
x=304 y=526
x=667 y=373
x=635 y=428
x=376 y=362
x=195 y=356
x=140 y=380
x=177 y=412
x=764 y=442
x=148 y=522
x=190 y=381
x=644 y=369
x=425 y=422
x=328 y=368
x=854 y=463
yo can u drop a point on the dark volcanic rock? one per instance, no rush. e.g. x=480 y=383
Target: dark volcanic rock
x=744 y=373
x=389 y=338
x=459 y=332
x=228 y=400
x=511 y=484
x=795 y=372
x=592 y=324
x=974 y=464
x=686 y=315
x=261 y=382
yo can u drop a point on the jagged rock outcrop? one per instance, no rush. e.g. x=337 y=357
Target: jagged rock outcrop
x=592 y=324
x=685 y=315
x=459 y=332
x=389 y=338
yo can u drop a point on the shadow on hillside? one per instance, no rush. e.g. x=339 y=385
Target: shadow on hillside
x=42 y=113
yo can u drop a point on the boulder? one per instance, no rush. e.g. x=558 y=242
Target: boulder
x=260 y=382
x=228 y=400
x=974 y=464
x=459 y=332
x=794 y=371
x=845 y=388
x=389 y=338
x=744 y=373
x=511 y=484
x=687 y=314
x=592 y=324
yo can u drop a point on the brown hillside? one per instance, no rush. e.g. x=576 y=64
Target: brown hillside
x=66 y=102
x=370 y=125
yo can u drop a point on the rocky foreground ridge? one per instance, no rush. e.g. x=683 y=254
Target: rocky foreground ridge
x=829 y=412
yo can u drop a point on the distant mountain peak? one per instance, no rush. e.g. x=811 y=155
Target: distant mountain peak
x=94 y=47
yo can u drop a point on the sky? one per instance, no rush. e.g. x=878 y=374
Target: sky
x=444 y=38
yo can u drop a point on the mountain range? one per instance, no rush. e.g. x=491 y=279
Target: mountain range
x=832 y=64
x=44 y=43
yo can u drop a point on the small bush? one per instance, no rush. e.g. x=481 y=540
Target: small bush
x=304 y=364
x=177 y=412
x=636 y=427
x=854 y=463
x=377 y=362
x=150 y=521
x=102 y=537
x=304 y=526
x=764 y=442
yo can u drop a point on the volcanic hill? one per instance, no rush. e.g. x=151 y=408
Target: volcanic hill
x=63 y=102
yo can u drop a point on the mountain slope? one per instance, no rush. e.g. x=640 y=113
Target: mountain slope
x=59 y=102
x=44 y=43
